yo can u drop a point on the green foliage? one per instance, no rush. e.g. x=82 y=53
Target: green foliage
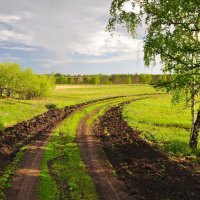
x=87 y=79
x=104 y=79
x=9 y=78
x=172 y=30
x=173 y=35
x=61 y=79
x=95 y=79
x=128 y=80
x=70 y=80
x=25 y=84
x=51 y=106
x=145 y=78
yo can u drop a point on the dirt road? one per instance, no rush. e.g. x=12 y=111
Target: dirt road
x=26 y=178
x=108 y=186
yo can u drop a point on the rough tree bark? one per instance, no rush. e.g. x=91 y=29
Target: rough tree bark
x=1 y=92
x=195 y=131
x=8 y=93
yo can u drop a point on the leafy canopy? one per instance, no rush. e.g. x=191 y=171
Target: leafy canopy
x=172 y=33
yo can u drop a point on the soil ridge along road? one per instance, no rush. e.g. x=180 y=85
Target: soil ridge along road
x=17 y=136
x=146 y=171
x=107 y=185
x=25 y=180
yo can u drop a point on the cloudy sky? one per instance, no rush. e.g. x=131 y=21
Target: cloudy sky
x=67 y=37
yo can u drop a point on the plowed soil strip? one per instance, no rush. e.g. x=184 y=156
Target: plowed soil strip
x=146 y=171
x=25 y=180
x=108 y=186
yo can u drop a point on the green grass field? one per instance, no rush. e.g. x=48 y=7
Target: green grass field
x=163 y=123
x=160 y=124
x=14 y=111
x=156 y=117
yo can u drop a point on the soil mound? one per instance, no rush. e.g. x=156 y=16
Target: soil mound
x=13 y=138
x=147 y=172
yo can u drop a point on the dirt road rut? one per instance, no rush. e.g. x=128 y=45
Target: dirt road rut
x=108 y=186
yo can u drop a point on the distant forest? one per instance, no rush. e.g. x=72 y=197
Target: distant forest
x=110 y=79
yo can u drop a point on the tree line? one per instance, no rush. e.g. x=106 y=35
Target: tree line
x=23 y=84
x=109 y=79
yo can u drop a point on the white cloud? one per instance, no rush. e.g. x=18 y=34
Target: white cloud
x=8 y=35
x=9 y=19
x=27 y=49
x=102 y=43
x=70 y=31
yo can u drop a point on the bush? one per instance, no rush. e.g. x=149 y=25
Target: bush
x=51 y=106
x=145 y=78
x=25 y=84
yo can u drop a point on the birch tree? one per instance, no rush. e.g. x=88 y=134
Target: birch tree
x=173 y=35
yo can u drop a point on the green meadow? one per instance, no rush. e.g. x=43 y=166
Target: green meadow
x=13 y=111
x=156 y=117
x=161 y=122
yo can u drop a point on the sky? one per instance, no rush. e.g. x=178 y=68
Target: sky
x=69 y=37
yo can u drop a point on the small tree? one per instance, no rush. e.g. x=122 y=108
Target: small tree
x=87 y=79
x=9 y=78
x=23 y=84
x=145 y=78
x=71 y=80
x=95 y=79
x=105 y=79
x=129 y=80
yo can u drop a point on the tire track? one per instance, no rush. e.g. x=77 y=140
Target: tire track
x=107 y=185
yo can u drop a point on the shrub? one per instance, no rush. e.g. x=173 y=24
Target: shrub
x=51 y=106
x=16 y=83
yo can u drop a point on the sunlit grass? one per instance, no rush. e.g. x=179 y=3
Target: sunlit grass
x=159 y=121
x=14 y=111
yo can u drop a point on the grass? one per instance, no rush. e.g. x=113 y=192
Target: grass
x=162 y=123
x=14 y=111
x=68 y=168
x=67 y=165
x=159 y=122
